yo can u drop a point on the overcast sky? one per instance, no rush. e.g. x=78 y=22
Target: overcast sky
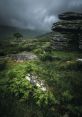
x=35 y=14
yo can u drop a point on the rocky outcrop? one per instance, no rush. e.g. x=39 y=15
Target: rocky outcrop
x=68 y=32
x=70 y=16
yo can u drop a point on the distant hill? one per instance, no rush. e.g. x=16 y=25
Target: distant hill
x=46 y=36
x=8 y=31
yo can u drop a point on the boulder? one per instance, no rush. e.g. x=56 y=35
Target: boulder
x=35 y=81
x=68 y=32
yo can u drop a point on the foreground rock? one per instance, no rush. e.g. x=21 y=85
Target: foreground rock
x=68 y=32
x=24 y=56
x=33 y=79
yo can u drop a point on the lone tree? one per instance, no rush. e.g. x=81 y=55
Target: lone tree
x=18 y=35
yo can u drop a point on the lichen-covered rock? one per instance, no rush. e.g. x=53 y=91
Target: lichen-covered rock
x=33 y=79
x=68 y=32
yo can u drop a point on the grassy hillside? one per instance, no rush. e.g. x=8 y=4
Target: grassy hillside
x=60 y=71
x=8 y=31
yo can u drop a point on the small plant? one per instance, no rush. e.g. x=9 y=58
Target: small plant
x=49 y=57
x=39 y=51
x=2 y=65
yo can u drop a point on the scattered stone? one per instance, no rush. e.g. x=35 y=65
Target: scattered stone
x=67 y=33
x=36 y=82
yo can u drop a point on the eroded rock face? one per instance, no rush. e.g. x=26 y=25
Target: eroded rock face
x=68 y=32
x=70 y=16
x=68 y=26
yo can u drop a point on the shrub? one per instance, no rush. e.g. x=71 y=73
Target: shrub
x=2 y=64
x=49 y=57
x=11 y=74
x=39 y=51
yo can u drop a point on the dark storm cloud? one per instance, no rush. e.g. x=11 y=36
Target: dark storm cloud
x=35 y=14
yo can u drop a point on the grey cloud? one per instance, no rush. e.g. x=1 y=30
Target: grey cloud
x=35 y=14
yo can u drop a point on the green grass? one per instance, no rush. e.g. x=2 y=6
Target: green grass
x=59 y=69
x=67 y=54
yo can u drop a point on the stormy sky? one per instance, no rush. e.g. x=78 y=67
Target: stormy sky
x=35 y=14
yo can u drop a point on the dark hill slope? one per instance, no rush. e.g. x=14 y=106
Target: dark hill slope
x=8 y=31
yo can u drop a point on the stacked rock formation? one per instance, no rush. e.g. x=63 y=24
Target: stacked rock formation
x=67 y=33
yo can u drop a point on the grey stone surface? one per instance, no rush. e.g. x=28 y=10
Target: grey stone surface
x=67 y=33
x=33 y=79
x=70 y=15
x=24 y=56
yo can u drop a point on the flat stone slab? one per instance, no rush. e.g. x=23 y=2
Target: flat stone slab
x=24 y=56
